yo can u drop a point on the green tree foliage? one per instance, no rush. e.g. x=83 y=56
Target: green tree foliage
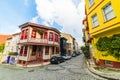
x=85 y=50
x=83 y=38
x=110 y=44
x=2 y=47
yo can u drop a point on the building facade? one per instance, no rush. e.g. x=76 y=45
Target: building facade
x=70 y=44
x=77 y=47
x=11 y=45
x=38 y=44
x=63 y=45
x=103 y=20
x=3 y=39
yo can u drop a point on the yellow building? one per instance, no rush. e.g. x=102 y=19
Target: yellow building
x=70 y=47
x=103 y=17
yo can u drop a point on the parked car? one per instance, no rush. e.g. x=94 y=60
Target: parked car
x=77 y=54
x=56 y=60
x=74 y=55
x=66 y=57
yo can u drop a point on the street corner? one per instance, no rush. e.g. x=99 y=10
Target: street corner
x=101 y=73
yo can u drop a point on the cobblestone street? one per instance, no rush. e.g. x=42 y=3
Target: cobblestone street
x=74 y=69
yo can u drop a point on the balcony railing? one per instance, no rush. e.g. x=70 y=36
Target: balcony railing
x=38 y=40
x=24 y=40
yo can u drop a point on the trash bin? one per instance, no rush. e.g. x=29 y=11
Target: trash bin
x=8 y=59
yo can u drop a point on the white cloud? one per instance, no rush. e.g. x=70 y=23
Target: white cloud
x=17 y=30
x=34 y=19
x=45 y=23
x=67 y=13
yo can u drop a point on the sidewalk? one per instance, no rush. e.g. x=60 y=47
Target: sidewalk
x=104 y=73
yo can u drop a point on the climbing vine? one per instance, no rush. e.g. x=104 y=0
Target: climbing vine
x=110 y=44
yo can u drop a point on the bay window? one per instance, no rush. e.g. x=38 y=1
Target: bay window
x=50 y=36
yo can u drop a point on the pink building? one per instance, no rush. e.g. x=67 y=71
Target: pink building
x=38 y=44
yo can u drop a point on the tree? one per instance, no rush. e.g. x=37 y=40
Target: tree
x=85 y=50
x=2 y=47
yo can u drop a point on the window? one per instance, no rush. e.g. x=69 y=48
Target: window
x=34 y=48
x=22 y=34
x=108 y=12
x=52 y=50
x=95 y=20
x=69 y=45
x=51 y=36
x=109 y=63
x=47 y=50
x=25 y=50
x=21 y=50
x=64 y=44
x=26 y=34
x=56 y=38
x=45 y=35
x=91 y=2
x=33 y=34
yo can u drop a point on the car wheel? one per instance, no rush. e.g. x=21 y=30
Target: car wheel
x=58 y=62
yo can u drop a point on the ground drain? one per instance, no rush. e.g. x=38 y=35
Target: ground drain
x=31 y=71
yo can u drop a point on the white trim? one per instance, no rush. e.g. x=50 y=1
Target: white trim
x=108 y=63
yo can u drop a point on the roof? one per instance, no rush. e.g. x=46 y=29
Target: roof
x=3 y=38
x=63 y=38
x=67 y=35
x=38 y=26
x=16 y=33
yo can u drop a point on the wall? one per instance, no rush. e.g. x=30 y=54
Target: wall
x=97 y=54
x=11 y=45
x=103 y=26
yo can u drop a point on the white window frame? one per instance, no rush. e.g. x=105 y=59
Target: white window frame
x=107 y=13
x=95 y=20
x=108 y=63
x=91 y=2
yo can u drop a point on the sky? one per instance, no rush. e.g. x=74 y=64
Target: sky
x=65 y=15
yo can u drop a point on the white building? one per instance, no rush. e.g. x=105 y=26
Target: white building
x=11 y=45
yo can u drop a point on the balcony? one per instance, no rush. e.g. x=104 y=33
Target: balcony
x=38 y=40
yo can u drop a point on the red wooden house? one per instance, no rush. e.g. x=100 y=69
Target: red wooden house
x=38 y=44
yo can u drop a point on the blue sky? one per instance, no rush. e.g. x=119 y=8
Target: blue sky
x=65 y=15
x=15 y=12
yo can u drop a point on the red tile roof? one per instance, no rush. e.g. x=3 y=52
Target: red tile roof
x=38 y=26
x=3 y=38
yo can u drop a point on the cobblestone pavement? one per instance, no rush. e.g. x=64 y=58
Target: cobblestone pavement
x=73 y=69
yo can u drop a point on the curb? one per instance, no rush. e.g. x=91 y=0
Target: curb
x=102 y=76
